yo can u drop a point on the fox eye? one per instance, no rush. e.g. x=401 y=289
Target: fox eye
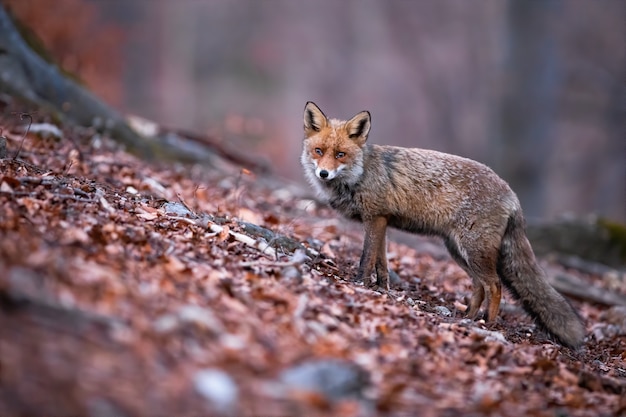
x=340 y=155
x=319 y=151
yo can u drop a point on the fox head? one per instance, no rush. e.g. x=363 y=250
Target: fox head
x=333 y=149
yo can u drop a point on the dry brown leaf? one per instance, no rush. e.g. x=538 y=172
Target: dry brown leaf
x=121 y=269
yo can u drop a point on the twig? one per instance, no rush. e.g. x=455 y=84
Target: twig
x=298 y=258
x=3 y=145
x=59 y=196
x=80 y=192
x=81 y=157
x=75 y=198
x=247 y=240
x=289 y=226
x=182 y=201
x=30 y=122
x=184 y=219
x=67 y=167
x=270 y=263
x=105 y=205
x=195 y=194
x=263 y=247
x=38 y=180
x=17 y=193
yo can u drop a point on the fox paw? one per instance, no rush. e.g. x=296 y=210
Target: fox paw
x=383 y=289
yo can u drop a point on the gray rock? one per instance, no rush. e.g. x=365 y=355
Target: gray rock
x=444 y=311
x=218 y=388
x=334 y=379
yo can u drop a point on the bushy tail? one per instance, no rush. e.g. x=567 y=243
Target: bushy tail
x=521 y=274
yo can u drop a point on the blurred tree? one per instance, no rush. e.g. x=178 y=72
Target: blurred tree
x=27 y=77
x=77 y=37
x=524 y=116
x=40 y=84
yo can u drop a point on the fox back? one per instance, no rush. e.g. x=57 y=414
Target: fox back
x=422 y=191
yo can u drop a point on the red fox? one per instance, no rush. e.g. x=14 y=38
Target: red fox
x=427 y=192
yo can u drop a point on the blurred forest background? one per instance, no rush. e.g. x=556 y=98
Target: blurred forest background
x=535 y=89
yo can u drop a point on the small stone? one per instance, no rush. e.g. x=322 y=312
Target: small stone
x=291 y=273
x=334 y=379
x=100 y=407
x=394 y=278
x=44 y=130
x=490 y=335
x=177 y=209
x=444 y=311
x=200 y=316
x=218 y=388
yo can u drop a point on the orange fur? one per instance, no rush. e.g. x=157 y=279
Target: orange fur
x=422 y=191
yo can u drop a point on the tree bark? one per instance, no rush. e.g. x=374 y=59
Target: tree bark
x=27 y=76
x=525 y=115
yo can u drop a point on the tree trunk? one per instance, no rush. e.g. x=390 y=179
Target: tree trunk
x=28 y=77
x=524 y=118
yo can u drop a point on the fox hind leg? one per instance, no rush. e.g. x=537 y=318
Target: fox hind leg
x=478 y=296
x=486 y=286
x=482 y=269
x=480 y=265
x=494 y=298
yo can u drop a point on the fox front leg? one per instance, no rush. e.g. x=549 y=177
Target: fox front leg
x=382 y=270
x=374 y=243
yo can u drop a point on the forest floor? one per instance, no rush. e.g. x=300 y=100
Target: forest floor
x=133 y=288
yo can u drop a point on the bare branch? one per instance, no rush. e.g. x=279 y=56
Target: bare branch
x=30 y=122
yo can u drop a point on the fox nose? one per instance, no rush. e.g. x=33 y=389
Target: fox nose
x=323 y=174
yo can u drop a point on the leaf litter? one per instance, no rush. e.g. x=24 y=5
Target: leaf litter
x=135 y=288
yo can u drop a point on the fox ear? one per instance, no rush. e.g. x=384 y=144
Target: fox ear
x=359 y=126
x=314 y=119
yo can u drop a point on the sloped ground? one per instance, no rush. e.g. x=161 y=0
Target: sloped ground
x=135 y=289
